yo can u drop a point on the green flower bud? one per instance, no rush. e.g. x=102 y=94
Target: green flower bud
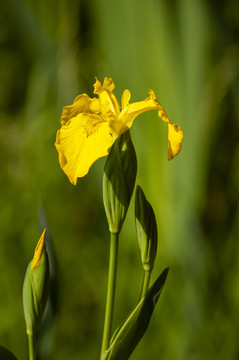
x=36 y=286
x=118 y=181
x=146 y=228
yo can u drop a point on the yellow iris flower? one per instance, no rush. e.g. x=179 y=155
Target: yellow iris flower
x=90 y=126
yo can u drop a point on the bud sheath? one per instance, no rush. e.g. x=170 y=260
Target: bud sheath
x=146 y=229
x=118 y=181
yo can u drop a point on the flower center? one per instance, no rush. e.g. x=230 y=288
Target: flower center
x=92 y=124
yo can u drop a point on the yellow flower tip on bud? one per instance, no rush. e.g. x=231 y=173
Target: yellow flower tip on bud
x=39 y=250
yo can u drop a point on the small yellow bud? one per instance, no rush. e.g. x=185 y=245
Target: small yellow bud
x=36 y=287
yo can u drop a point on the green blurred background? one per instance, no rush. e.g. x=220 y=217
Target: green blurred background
x=187 y=52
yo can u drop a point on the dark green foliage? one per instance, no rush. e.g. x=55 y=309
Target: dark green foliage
x=5 y=354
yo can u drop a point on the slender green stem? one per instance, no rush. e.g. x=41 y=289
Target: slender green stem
x=145 y=285
x=32 y=347
x=110 y=299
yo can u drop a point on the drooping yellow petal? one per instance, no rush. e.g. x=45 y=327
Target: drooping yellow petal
x=130 y=112
x=84 y=139
x=175 y=138
x=38 y=250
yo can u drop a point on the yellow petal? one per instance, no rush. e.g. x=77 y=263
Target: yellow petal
x=82 y=103
x=39 y=250
x=108 y=101
x=125 y=98
x=175 y=138
x=62 y=159
x=84 y=139
x=130 y=112
x=133 y=110
x=108 y=85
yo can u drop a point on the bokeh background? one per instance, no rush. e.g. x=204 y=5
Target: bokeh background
x=187 y=52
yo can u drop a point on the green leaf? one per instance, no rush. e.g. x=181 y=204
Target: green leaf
x=5 y=354
x=126 y=338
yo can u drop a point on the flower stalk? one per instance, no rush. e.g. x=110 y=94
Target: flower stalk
x=110 y=299
x=118 y=184
x=145 y=285
x=32 y=347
